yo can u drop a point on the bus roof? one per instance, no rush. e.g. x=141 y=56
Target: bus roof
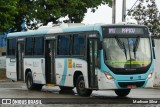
x=54 y=30
x=62 y=29
x=28 y=33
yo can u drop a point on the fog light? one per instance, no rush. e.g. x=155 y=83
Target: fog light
x=150 y=76
x=108 y=75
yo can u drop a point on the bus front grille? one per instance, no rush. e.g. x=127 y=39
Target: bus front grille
x=127 y=84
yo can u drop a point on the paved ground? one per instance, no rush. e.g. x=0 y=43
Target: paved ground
x=53 y=95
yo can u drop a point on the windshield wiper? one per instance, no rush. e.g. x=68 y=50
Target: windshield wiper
x=125 y=51
x=122 y=46
x=136 y=44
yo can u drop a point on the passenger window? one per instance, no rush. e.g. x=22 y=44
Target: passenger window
x=63 y=45
x=29 y=46
x=78 y=45
x=34 y=46
x=11 y=47
x=38 y=49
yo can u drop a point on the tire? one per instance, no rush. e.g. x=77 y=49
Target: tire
x=80 y=86
x=30 y=84
x=63 y=88
x=122 y=92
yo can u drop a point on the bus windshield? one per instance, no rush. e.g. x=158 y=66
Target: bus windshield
x=127 y=52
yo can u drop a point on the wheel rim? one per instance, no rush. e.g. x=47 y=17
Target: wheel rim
x=81 y=86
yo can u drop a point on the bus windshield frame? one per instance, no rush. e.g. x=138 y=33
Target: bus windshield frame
x=129 y=46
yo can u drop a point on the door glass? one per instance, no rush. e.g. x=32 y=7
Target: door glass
x=20 y=60
x=90 y=53
x=95 y=52
x=95 y=55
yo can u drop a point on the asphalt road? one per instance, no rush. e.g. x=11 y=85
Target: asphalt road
x=53 y=95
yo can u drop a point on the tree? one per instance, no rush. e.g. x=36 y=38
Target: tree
x=45 y=11
x=36 y=13
x=146 y=13
x=8 y=10
x=24 y=9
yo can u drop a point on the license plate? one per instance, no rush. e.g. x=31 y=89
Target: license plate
x=131 y=86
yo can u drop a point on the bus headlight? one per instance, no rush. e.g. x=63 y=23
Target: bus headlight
x=108 y=75
x=150 y=76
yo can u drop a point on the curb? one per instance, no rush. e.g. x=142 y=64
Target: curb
x=6 y=80
x=156 y=87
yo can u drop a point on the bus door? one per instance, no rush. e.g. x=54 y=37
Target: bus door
x=50 y=61
x=92 y=62
x=20 y=54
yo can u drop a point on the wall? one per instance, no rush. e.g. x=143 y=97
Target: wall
x=157 y=63
x=2 y=62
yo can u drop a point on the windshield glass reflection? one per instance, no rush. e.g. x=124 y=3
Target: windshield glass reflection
x=127 y=52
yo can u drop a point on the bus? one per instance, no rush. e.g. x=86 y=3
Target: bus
x=117 y=57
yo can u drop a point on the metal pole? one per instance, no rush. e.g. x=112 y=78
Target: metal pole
x=113 y=11
x=124 y=11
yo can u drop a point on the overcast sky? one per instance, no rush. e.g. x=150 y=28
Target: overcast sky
x=104 y=13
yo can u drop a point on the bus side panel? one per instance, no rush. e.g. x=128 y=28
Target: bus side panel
x=11 y=71
x=65 y=69
x=59 y=68
x=37 y=67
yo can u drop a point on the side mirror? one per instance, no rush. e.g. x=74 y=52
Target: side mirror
x=100 y=45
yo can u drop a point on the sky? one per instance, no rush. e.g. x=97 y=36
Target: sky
x=104 y=13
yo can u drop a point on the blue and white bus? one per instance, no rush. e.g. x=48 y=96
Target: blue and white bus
x=117 y=57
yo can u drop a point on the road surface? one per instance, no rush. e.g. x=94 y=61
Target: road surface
x=53 y=95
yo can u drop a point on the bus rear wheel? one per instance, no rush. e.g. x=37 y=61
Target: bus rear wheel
x=80 y=86
x=63 y=88
x=30 y=84
x=122 y=92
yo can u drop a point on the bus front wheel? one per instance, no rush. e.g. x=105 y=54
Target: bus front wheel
x=122 y=92
x=80 y=86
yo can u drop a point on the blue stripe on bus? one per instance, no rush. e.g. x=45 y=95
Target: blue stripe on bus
x=143 y=76
x=64 y=72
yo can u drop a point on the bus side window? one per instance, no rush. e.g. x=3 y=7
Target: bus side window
x=11 y=47
x=78 y=45
x=63 y=45
x=29 y=48
x=38 y=48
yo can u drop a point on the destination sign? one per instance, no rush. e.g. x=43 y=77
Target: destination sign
x=125 y=31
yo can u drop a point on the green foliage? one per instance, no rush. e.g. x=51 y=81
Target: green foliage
x=8 y=10
x=146 y=13
x=36 y=13
x=52 y=10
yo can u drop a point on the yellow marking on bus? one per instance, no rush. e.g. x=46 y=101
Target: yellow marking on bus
x=69 y=63
x=51 y=84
